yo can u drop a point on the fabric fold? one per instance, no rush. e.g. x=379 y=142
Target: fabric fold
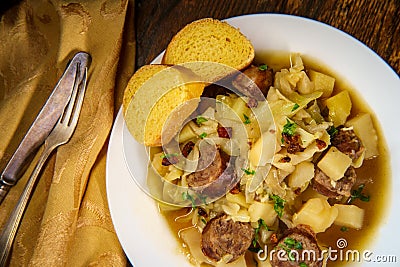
x=67 y=222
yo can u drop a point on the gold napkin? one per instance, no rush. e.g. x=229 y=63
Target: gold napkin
x=67 y=222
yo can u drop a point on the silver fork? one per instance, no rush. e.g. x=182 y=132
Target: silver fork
x=60 y=135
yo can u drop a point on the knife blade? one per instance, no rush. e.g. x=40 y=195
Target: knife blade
x=44 y=122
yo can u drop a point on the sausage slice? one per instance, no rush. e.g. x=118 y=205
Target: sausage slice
x=222 y=236
x=216 y=179
x=348 y=143
x=301 y=243
x=324 y=185
x=207 y=174
x=253 y=80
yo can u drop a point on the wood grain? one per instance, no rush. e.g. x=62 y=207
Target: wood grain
x=376 y=23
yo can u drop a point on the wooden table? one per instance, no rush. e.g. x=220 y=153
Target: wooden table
x=376 y=23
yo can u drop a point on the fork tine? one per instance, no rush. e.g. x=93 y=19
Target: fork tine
x=68 y=109
x=79 y=102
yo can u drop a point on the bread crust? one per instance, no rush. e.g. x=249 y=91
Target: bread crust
x=212 y=40
x=153 y=95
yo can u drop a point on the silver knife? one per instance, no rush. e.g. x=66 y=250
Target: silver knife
x=44 y=122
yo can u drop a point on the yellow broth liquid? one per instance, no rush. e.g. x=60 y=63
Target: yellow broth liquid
x=374 y=173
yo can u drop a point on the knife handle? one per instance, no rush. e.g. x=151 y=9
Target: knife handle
x=4 y=188
x=43 y=124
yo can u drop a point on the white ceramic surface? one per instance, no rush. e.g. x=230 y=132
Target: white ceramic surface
x=144 y=234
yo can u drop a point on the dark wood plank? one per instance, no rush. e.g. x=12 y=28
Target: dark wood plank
x=374 y=22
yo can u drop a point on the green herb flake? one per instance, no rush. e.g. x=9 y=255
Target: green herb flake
x=285 y=248
x=200 y=120
x=261 y=223
x=298 y=245
x=263 y=67
x=248 y=171
x=203 y=199
x=203 y=135
x=203 y=220
x=296 y=106
x=254 y=241
x=289 y=242
x=291 y=256
x=303 y=264
x=292 y=243
x=289 y=128
x=246 y=119
x=168 y=156
x=344 y=229
x=332 y=131
x=358 y=194
x=279 y=204
x=195 y=199
x=187 y=196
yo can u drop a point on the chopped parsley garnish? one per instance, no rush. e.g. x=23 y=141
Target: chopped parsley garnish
x=187 y=196
x=344 y=229
x=263 y=67
x=292 y=243
x=295 y=106
x=279 y=204
x=246 y=119
x=194 y=199
x=248 y=171
x=203 y=199
x=289 y=128
x=303 y=264
x=168 y=156
x=288 y=252
x=203 y=135
x=288 y=245
x=358 y=194
x=203 y=220
x=332 y=131
x=200 y=120
x=261 y=223
x=291 y=256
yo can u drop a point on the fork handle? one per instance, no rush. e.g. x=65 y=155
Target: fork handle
x=11 y=227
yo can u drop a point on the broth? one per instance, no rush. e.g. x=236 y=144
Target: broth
x=375 y=174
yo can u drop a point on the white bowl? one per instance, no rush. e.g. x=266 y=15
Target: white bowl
x=145 y=235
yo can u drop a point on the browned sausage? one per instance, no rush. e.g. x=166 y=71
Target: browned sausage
x=252 y=80
x=348 y=143
x=216 y=179
x=223 y=236
x=301 y=242
x=207 y=174
x=323 y=185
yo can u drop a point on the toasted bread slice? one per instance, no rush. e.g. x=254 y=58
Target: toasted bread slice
x=154 y=93
x=138 y=79
x=210 y=40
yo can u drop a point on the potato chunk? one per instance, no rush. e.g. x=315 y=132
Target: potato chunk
x=364 y=129
x=334 y=163
x=303 y=173
x=317 y=213
x=339 y=107
x=349 y=216
x=322 y=82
